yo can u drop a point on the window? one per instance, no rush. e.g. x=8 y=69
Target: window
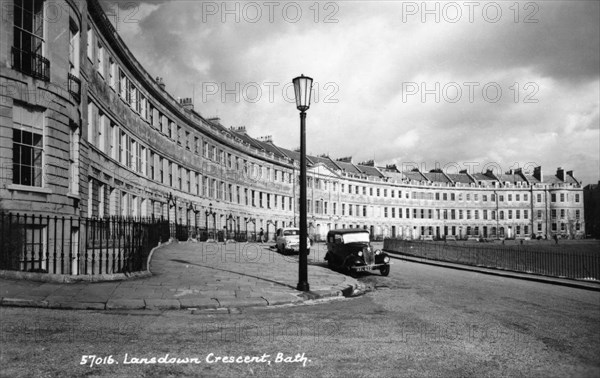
x=28 y=39
x=74 y=161
x=112 y=73
x=205 y=149
x=123 y=84
x=143 y=106
x=73 y=48
x=28 y=146
x=133 y=97
x=161 y=170
x=100 y=59
x=90 y=43
x=179 y=177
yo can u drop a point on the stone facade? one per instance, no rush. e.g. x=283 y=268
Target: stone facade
x=86 y=132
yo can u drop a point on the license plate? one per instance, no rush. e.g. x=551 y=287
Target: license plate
x=364 y=268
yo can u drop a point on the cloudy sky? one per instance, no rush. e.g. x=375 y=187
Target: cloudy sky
x=468 y=84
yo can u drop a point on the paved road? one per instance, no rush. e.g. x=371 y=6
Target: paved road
x=421 y=321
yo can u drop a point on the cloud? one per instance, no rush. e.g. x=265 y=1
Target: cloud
x=362 y=63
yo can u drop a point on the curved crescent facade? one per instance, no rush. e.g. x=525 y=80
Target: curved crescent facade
x=87 y=132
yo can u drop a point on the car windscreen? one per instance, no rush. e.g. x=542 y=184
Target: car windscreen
x=291 y=232
x=362 y=237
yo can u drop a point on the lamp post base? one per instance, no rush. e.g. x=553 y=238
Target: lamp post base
x=303 y=286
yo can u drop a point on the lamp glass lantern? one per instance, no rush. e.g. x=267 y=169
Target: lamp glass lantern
x=302 y=89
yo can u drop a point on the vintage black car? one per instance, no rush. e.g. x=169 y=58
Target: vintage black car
x=350 y=250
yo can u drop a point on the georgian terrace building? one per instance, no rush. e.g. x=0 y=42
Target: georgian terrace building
x=87 y=132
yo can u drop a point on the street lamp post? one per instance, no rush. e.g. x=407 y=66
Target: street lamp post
x=171 y=201
x=231 y=221
x=193 y=208
x=302 y=89
x=253 y=220
x=208 y=212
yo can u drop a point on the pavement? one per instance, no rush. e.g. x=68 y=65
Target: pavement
x=197 y=276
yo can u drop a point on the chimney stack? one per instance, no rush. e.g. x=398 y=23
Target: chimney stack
x=160 y=82
x=186 y=103
x=537 y=173
x=560 y=173
x=266 y=138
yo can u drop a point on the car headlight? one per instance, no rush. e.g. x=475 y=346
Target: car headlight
x=386 y=259
x=377 y=252
x=360 y=253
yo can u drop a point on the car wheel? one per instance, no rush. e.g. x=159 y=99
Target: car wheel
x=385 y=270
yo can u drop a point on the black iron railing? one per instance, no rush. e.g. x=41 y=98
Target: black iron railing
x=75 y=246
x=75 y=87
x=574 y=261
x=31 y=64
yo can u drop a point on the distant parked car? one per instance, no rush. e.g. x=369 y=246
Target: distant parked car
x=350 y=250
x=288 y=240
